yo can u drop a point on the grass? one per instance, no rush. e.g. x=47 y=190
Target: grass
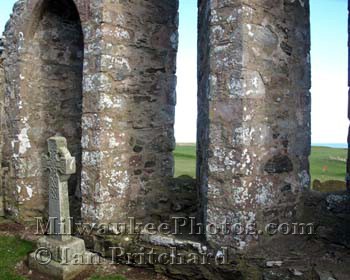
x=12 y=251
x=325 y=163
x=185 y=160
x=328 y=164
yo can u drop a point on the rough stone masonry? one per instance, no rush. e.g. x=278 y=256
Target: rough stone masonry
x=254 y=111
x=103 y=75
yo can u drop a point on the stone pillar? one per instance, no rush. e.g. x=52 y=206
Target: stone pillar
x=128 y=135
x=2 y=115
x=254 y=112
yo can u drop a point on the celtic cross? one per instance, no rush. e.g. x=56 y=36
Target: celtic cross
x=60 y=165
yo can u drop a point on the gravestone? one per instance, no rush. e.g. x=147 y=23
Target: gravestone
x=61 y=165
x=61 y=255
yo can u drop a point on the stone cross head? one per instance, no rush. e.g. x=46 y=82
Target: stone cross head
x=59 y=160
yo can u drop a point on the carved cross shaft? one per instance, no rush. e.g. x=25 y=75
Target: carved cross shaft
x=61 y=165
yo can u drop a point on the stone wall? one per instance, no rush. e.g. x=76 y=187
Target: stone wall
x=49 y=102
x=2 y=116
x=136 y=115
x=203 y=105
x=254 y=128
x=122 y=129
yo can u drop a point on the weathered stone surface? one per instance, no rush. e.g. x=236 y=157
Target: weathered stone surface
x=279 y=164
x=330 y=213
x=328 y=186
x=254 y=111
x=2 y=94
x=2 y=207
x=55 y=270
x=43 y=67
x=62 y=250
x=313 y=255
x=103 y=76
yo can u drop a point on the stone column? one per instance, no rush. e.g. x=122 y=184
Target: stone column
x=2 y=115
x=128 y=131
x=254 y=112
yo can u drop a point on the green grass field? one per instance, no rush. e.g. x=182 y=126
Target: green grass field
x=185 y=160
x=325 y=163
x=328 y=163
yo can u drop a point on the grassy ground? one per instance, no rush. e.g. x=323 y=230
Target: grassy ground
x=18 y=240
x=325 y=163
x=328 y=163
x=185 y=160
x=12 y=250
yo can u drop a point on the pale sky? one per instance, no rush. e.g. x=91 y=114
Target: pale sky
x=329 y=62
x=329 y=69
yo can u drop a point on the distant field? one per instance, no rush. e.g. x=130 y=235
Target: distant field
x=185 y=160
x=325 y=163
x=328 y=163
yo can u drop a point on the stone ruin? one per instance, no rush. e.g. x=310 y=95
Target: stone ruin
x=103 y=75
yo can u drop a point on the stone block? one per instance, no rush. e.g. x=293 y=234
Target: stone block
x=59 y=271
x=62 y=250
